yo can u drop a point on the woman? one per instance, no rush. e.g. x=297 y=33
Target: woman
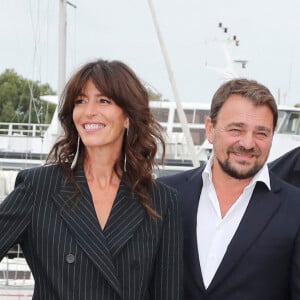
x=92 y=223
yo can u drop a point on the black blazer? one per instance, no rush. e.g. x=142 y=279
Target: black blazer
x=287 y=166
x=262 y=262
x=134 y=257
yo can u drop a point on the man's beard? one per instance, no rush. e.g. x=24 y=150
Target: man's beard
x=229 y=169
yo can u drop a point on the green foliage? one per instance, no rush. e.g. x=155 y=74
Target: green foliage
x=8 y=112
x=153 y=96
x=19 y=99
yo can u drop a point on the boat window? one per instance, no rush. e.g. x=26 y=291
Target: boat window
x=189 y=113
x=177 y=129
x=291 y=125
x=198 y=134
x=160 y=114
x=200 y=116
x=281 y=117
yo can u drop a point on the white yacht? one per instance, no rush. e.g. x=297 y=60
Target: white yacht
x=16 y=280
x=27 y=145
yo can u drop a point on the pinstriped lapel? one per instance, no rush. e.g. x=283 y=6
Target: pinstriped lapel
x=77 y=210
x=262 y=206
x=126 y=215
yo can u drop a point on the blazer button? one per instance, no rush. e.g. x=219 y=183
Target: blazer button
x=135 y=264
x=70 y=258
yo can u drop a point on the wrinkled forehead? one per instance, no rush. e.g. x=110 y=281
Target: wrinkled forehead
x=243 y=111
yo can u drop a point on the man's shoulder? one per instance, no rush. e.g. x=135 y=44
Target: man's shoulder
x=181 y=178
x=284 y=189
x=161 y=187
x=287 y=167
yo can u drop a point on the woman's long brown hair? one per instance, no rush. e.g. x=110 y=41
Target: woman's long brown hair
x=118 y=82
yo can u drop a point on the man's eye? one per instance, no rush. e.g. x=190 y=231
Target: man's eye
x=262 y=134
x=235 y=130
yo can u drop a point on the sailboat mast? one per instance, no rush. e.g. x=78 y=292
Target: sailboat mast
x=62 y=49
x=62 y=44
x=180 y=111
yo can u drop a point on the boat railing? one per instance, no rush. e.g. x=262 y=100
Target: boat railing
x=23 y=129
x=7 y=182
x=15 y=272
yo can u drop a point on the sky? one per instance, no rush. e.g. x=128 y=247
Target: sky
x=268 y=34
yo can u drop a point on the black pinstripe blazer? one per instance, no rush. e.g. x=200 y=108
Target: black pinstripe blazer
x=134 y=257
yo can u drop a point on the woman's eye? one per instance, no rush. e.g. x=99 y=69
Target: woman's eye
x=79 y=101
x=104 y=100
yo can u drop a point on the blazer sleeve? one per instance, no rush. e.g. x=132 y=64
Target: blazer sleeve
x=15 y=214
x=295 y=276
x=167 y=277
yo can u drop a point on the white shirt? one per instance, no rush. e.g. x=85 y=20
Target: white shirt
x=214 y=233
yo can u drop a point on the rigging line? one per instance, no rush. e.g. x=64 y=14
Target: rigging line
x=290 y=75
x=48 y=18
x=40 y=27
x=33 y=63
x=39 y=18
x=37 y=111
x=36 y=31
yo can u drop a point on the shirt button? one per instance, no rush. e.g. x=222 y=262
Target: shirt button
x=70 y=258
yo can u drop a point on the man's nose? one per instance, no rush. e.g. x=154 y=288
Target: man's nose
x=247 y=140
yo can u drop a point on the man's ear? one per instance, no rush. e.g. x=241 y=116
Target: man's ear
x=209 y=129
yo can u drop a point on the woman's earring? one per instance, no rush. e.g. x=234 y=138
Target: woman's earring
x=74 y=162
x=125 y=156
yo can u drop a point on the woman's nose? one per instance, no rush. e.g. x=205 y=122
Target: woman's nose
x=91 y=110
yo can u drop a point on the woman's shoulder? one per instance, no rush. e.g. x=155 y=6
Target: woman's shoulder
x=161 y=186
x=163 y=195
x=38 y=174
x=44 y=169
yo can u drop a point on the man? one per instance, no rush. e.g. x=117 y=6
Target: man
x=241 y=223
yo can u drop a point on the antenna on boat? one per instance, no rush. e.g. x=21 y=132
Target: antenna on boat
x=180 y=111
x=229 y=72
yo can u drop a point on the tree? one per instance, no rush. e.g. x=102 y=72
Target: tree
x=8 y=112
x=153 y=96
x=20 y=99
